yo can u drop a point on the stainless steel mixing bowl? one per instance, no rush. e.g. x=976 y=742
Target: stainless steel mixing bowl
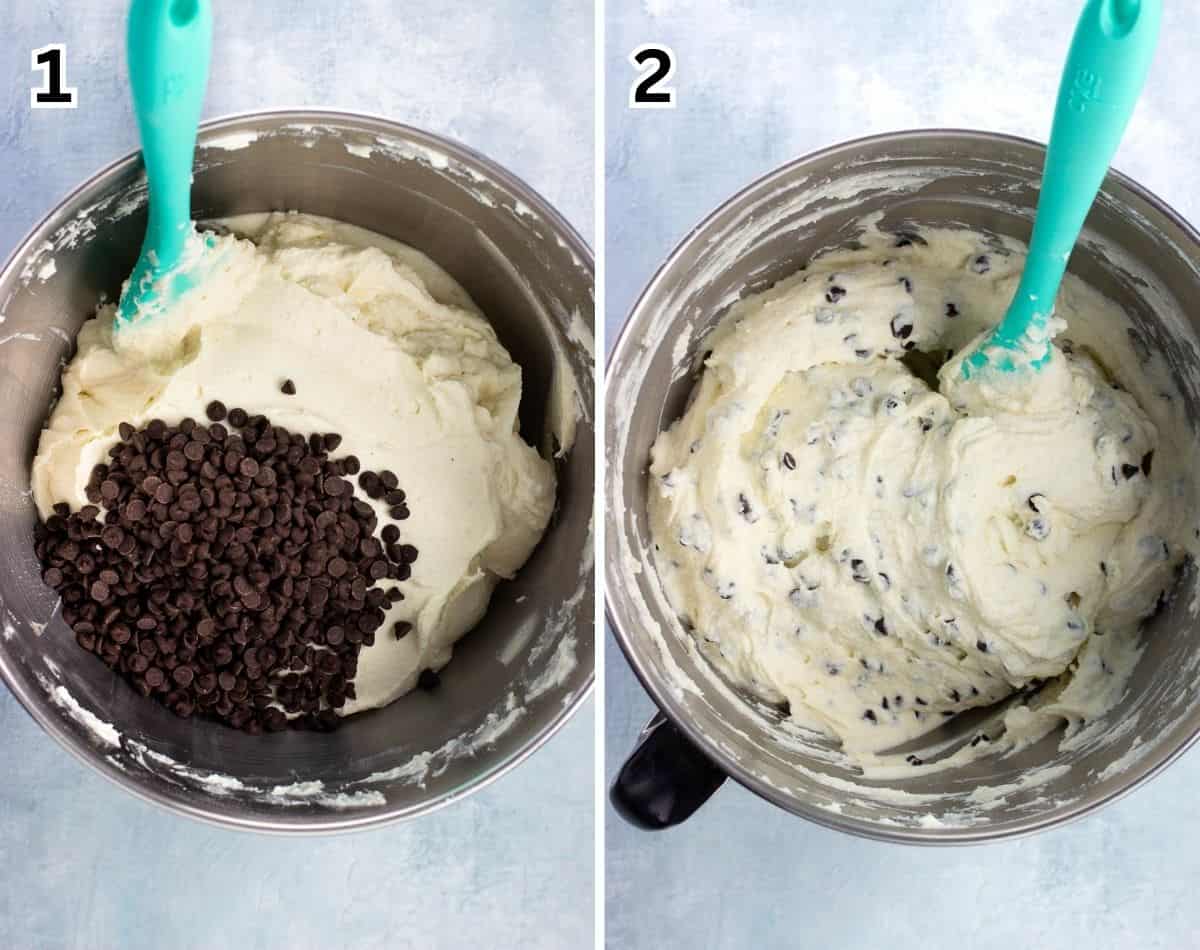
x=1135 y=250
x=516 y=678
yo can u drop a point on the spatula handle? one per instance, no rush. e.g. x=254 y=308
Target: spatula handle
x=169 y=44
x=1103 y=77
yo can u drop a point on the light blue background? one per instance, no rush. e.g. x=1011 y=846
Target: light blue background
x=84 y=865
x=761 y=82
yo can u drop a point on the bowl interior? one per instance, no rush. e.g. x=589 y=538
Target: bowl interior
x=1133 y=251
x=528 y=663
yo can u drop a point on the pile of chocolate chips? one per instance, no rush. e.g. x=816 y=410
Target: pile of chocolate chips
x=232 y=573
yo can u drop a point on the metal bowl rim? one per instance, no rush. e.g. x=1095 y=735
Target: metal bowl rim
x=662 y=696
x=317 y=823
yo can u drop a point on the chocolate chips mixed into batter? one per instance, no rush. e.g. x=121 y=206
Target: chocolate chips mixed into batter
x=849 y=527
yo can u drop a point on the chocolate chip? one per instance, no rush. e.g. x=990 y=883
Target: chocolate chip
x=951 y=311
x=388 y=480
x=835 y=293
x=369 y=482
x=215 y=411
x=390 y=534
x=234 y=554
x=288 y=388
x=1129 y=471
x=401 y=629
x=902 y=326
x=1147 y=459
x=429 y=680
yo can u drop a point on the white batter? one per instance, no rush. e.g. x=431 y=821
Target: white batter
x=881 y=555
x=385 y=349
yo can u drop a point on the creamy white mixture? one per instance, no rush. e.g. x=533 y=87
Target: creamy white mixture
x=881 y=554
x=385 y=348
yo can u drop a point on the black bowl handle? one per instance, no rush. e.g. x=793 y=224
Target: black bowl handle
x=664 y=780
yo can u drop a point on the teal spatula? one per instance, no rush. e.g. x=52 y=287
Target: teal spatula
x=1106 y=68
x=169 y=43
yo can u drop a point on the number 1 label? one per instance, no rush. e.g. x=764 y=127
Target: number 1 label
x=52 y=94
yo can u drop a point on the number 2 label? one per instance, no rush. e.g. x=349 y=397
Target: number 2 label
x=655 y=64
x=52 y=94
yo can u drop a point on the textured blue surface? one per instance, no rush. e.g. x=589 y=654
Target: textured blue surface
x=761 y=82
x=84 y=865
